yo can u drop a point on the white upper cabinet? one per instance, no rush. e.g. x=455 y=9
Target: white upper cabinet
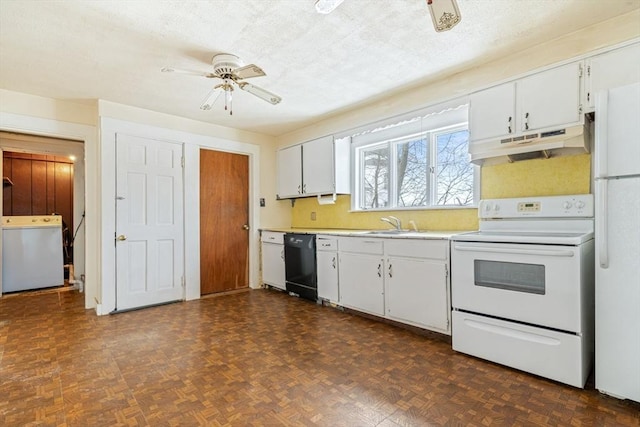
x=316 y=167
x=612 y=69
x=542 y=101
x=290 y=172
x=492 y=113
x=550 y=99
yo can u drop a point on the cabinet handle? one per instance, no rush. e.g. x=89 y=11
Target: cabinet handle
x=379 y=270
x=390 y=272
x=282 y=254
x=304 y=188
x=509 y=124
x=299 y=190
x=526 y=121
x=333 y=263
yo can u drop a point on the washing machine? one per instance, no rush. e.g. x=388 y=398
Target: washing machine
x=31 y=252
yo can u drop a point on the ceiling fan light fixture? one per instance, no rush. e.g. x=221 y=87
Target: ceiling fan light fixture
x=327 y=6
x=444 y=14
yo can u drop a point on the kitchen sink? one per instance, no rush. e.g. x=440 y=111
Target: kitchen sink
x=389 y=232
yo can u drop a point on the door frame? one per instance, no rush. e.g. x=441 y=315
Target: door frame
x=88 y=202
x=192 y=144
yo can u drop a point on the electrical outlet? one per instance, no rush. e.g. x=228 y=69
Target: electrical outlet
x=313 y=216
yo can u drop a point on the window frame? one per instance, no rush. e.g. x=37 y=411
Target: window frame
x=391 y=144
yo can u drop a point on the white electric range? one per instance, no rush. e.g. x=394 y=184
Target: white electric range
x=523 y=286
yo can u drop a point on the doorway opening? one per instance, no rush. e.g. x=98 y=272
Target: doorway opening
x=44 y=176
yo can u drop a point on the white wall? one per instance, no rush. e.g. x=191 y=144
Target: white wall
x=276 y=213
x=35 y=115
x=599 y=36
x=116 y=118
x=23 y=113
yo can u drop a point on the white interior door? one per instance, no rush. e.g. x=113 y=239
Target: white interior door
x=149 y=222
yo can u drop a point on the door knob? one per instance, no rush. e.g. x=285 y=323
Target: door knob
x=245 y=227
x=121 y=237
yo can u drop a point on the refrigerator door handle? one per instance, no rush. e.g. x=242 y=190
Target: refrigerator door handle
x=601 y=224
x=601 y=132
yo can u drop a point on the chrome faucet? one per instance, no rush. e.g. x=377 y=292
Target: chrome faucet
x=392 y=220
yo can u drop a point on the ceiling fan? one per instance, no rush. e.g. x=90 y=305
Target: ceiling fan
x=232 y=73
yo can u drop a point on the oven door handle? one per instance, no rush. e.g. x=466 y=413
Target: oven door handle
x=492 y=249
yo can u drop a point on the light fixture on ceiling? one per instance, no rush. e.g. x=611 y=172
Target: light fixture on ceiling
x=327 y=6
x=444 y=14
x=231 y=70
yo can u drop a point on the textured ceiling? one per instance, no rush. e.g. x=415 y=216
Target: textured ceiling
x=319 y=64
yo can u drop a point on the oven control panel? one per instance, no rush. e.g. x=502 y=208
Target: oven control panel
x=575 y=206
x=529 y=207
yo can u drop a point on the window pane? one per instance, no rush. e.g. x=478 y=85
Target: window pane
x=375 y=177
x=454 y=173
x=411 y=170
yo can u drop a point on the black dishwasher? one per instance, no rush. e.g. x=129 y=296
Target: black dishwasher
x=300 y=265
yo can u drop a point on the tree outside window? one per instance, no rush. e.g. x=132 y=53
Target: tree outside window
x=428 y=169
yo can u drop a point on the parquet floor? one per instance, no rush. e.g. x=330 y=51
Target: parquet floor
x=259 y=358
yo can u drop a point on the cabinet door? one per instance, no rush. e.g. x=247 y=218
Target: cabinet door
x=327 y=264
x=273 y=265
x=550 y=98
x=318 y=175
x=492 y=112
x=361 y=280
x=290 y=172
x=416 y=292
x=619 y=67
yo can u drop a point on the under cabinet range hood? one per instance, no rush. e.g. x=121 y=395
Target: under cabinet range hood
x=567 y=140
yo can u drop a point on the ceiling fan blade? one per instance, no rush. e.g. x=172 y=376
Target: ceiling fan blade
x=188 y=72
x=249 y=71
x=211 y=98
x=271 y=98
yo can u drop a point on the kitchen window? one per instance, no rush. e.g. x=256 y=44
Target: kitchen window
x=419 y=163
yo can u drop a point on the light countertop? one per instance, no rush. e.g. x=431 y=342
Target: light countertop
x=405 y=234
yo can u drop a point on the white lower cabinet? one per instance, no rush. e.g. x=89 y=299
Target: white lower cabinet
x=273 y=272
x=362 y=282
x=327 y=268
x=406 y=280
x=416 y=292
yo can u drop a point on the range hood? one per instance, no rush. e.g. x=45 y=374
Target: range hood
x=567 y=140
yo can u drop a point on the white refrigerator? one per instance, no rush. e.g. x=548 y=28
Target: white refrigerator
x=617 y=196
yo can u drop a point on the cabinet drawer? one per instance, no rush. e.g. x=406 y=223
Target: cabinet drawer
x=326 y=243
x=434 y=249
x=361 y=245
x=272 y=237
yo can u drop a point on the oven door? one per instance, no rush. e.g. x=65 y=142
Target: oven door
x=535 y=284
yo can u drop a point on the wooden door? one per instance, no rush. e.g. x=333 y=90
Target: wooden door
x=149 y=222
x=224 y=221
